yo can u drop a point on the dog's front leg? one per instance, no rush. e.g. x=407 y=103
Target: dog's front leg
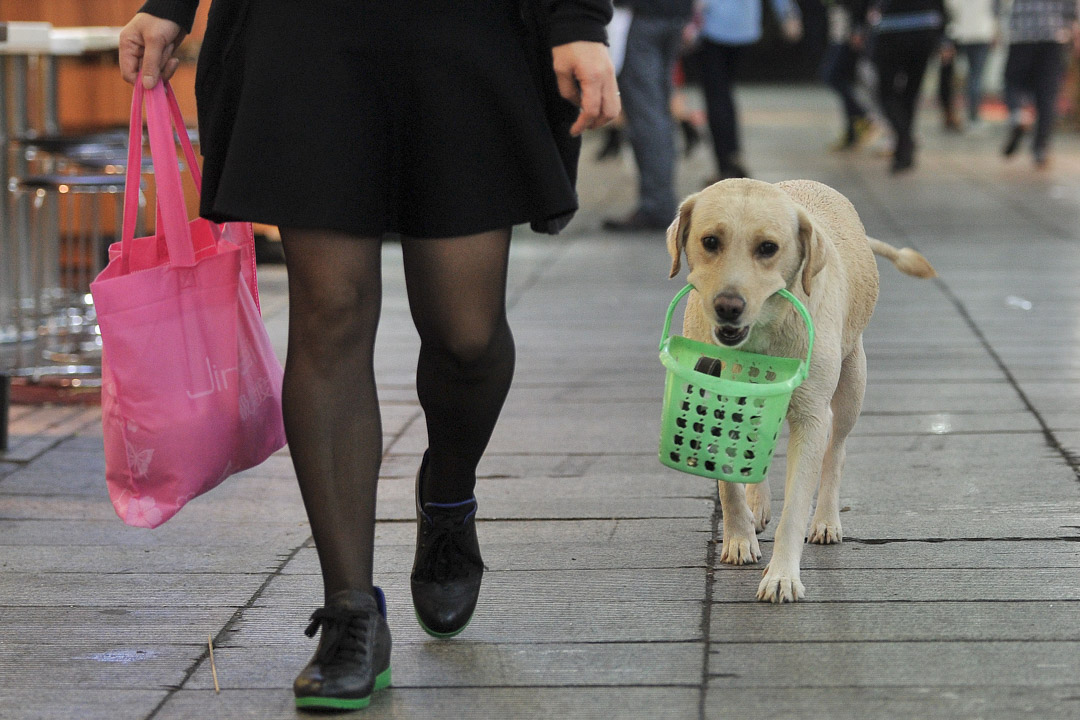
x=806 y=449
x=740 y=540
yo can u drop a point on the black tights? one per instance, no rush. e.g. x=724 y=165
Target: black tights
x=457 y=291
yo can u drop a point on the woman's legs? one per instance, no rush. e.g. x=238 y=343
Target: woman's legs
x=457 y=295
x=329 y=399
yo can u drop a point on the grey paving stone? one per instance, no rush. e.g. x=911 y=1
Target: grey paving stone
x=175 y=533
x=127 y=664
x=30 y=703
x=80 y=626
x=121 y=590
x=944 y=665
x=590 y=587
x=544 y=498
x=995 y=700
x=531 y=703
x=548 y=545
x=738 y=584
x=880 y=622
x=498 y=620
x=950 y=554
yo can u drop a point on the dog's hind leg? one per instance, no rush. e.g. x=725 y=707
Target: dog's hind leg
x=740 y=540
x=846 y=405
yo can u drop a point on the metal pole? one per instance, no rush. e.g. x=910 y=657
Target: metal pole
x=5 y=405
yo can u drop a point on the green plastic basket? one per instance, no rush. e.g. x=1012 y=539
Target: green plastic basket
x=725 y=427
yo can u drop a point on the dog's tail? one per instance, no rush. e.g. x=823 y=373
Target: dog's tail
x=906 y=260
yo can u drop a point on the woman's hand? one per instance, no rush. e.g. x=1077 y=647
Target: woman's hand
x=587 y=79
x=147 y=44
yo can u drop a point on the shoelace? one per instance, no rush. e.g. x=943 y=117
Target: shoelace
x=344 y=634
x=447 y=550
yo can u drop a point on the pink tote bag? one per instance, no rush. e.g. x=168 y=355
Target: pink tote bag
x=191 y=388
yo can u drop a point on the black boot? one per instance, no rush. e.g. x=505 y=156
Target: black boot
x=353 y=657
x=448 y=568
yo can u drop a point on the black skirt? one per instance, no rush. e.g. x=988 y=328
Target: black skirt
x=422 y=118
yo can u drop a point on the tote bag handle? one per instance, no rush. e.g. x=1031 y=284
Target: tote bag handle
x=171 y=209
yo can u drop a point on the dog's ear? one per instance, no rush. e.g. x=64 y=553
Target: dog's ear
x=813 y=249
x=677 y=233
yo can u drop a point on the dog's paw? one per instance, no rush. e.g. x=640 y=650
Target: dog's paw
x=740 y=549
x=762 y=510
x=826 y=533
x=780 y=587
x=759 y=499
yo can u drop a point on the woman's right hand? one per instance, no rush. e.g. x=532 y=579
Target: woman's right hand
x=147 y=44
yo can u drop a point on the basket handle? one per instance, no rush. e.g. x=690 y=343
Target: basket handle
x=805 y=369
x=783 y=292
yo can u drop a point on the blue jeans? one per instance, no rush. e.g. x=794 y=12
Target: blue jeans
x=975 y=54
x=645 y=82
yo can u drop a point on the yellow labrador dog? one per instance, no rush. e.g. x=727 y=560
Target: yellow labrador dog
x=744 y=240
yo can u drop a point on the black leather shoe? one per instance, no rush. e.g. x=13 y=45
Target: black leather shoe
x=448 y=568
x=353 y=657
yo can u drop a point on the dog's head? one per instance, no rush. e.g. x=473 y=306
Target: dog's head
x=744 y=240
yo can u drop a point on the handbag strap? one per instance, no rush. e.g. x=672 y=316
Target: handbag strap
x=172 y=212
x=134 y=169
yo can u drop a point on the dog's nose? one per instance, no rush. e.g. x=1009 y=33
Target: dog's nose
x=729 y=307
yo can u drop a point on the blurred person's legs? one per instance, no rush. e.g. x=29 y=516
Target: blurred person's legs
x=1048 y=67
x=646 y=84
x=838 y=72
x=976 y=55
x=1018 y=68
x=946 y=90
x=902 y=59
x=719 y=64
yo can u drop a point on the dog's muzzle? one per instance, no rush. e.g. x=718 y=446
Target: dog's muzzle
x=730 y=335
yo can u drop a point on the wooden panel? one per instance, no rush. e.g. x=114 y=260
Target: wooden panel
x=91 y=91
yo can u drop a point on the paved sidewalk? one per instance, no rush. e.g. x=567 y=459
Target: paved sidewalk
x=956 y=592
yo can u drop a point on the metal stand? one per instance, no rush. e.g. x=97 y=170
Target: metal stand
x=5 y=406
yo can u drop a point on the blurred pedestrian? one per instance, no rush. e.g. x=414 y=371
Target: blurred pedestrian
x=972 y=31
x=1039 y=33
x=646 y=82
x=839 y=69
x=905 y=33
x=729 y=27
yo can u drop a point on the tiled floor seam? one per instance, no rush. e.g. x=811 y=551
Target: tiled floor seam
x=193 y=668
x=1051 y=438
x=707 y=609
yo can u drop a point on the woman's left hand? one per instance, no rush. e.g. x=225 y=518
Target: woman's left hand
x=587 y=79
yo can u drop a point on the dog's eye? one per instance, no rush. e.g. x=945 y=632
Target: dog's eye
x=767 y=249
x=710 y=243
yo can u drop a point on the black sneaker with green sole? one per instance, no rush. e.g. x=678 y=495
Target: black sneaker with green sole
x=352 y=661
